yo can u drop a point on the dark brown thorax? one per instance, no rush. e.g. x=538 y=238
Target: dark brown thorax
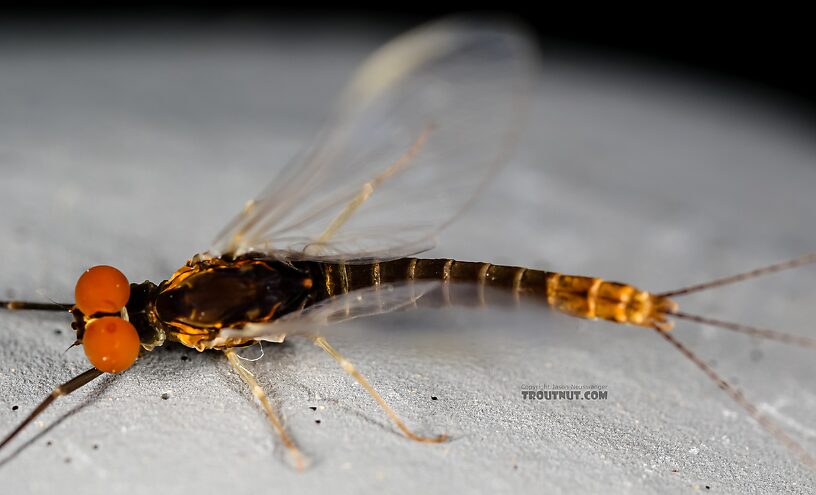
x=209 y=294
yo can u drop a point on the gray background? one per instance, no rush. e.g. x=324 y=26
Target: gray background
x=133 y=148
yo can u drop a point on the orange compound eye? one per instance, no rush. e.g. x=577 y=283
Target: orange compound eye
x=101 y=289
x=111 y=344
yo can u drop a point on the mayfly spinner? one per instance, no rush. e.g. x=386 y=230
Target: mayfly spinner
x=423 y=126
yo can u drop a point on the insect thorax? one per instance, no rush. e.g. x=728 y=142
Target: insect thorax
x=210 y=294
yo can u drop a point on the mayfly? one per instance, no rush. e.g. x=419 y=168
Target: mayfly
x=422 y=128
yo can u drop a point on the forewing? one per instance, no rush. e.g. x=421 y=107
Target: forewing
x=420 y=129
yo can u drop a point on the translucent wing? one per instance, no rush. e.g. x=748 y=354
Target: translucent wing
x=322 y=318
x=418 y=131
x=356 y=304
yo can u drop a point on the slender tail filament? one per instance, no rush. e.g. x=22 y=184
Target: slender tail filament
x=798 y=340
x=766 y=270
x=764 y=421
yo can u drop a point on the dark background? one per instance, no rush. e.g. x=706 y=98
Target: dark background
x=768 y=50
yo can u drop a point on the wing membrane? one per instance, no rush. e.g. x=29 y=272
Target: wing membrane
x=418 y=132
x=314 y=319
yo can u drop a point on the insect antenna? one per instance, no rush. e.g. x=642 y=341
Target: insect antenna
x=787 y=338
x=35 y=306
x=764 y=421
x=777 y=267
x=67 y=307
x=64 y=389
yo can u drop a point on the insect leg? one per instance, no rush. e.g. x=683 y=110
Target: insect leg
x=61 y=391
x=349 y=368
x=259 y=394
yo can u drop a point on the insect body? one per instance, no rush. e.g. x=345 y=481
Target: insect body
x=209 y=295
x=422 y=128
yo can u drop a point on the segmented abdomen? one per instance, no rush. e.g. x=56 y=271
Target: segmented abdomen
x=469 y=284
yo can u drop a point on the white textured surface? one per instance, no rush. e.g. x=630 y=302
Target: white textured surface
x=134 y=153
